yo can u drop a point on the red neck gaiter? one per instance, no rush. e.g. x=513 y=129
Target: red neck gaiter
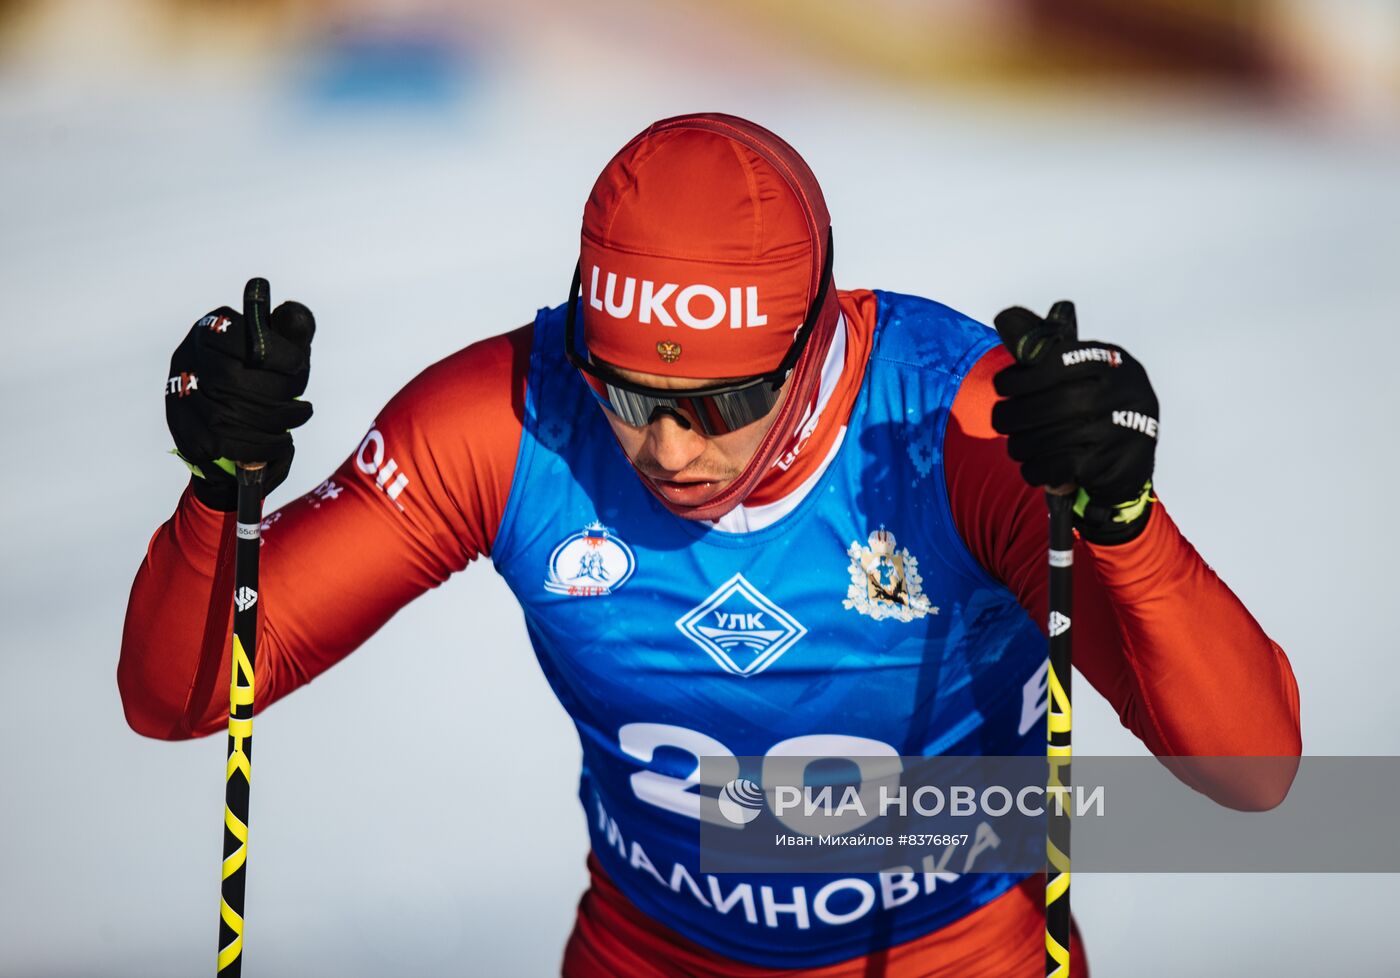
x=707 y=234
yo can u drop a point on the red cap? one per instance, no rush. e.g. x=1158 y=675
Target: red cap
x=702 y=247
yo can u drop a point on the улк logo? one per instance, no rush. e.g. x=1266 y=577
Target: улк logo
x=741 y=629
x=590 y=563
x=885 y=580
x=244 y=598
x=740 y=801
x=1059 y=624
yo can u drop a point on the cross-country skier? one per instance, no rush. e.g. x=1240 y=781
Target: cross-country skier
x=745 y=513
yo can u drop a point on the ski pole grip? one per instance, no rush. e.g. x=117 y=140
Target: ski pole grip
x=257 y=303
x=1029 y=338
x=257 y=311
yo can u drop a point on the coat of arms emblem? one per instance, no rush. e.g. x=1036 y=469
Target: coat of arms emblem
x=885 y=581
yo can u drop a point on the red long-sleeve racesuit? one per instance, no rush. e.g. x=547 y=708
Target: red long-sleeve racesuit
x=1156 y=632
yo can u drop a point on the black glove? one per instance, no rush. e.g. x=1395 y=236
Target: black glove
x=232 y=393
x=1082 y=413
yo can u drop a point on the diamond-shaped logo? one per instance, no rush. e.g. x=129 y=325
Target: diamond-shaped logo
x=740 y=628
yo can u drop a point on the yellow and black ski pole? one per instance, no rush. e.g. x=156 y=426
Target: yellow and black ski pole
x=1057 y=747
x=238 y=770
x=1031 y=338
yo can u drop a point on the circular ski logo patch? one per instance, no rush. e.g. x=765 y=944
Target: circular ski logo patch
x=590 y=563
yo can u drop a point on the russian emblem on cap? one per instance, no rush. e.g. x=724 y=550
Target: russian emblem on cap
x=668 y=350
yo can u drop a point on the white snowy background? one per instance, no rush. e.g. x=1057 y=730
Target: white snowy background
x=414 y=809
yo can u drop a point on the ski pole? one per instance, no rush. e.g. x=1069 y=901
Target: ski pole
x=238 y=770
x=1057 y=745
x=1029 y=338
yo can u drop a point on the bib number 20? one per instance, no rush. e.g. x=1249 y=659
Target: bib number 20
x=785 y=763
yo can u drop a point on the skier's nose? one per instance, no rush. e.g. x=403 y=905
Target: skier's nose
x=673 y=446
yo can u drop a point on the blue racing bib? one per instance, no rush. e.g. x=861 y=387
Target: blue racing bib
x=858 y=624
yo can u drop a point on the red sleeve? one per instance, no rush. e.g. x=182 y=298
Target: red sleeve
x=421 y=496
x=1173 y=649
